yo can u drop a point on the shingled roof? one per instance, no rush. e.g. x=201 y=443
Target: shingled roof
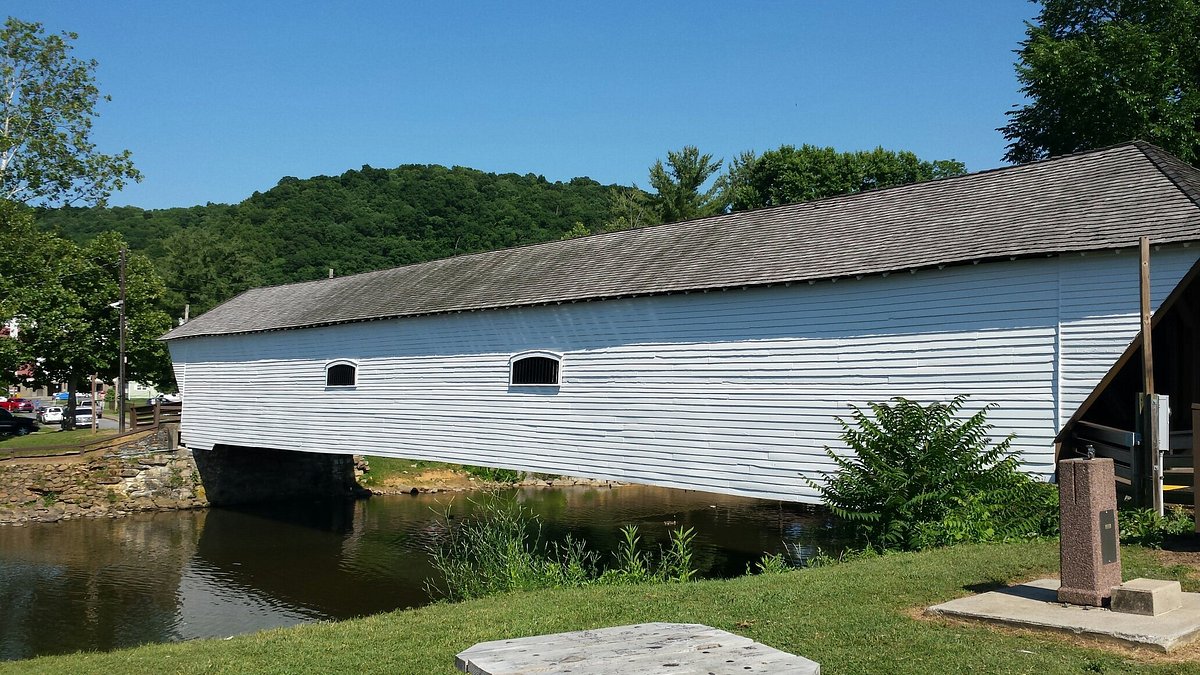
x=1103 y=199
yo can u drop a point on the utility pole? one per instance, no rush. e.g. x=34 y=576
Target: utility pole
x=121 y=349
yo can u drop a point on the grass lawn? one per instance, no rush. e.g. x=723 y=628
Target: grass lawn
x=852 y=618
x=47 y=437
x=385 y=468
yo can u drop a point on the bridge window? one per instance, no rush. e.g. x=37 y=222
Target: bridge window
x=537 y=369
x=341 y=374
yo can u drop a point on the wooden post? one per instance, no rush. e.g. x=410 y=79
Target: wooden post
x=95 y=422
x=1151 y=463
x=1147 y=341
x=157 y=412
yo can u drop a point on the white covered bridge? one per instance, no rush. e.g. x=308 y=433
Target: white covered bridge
x=712 y=354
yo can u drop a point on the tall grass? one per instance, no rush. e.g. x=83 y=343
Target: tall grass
x=499 y=548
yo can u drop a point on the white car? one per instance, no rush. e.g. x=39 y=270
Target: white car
x=83 y=417
x=48 y=415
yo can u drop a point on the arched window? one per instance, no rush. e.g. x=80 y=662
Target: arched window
x=535 y=369
x=341 y=374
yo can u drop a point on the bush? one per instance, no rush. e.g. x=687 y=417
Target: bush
x=1145 y=527
x=499 y=548
x=492 y=475
x=919 y=477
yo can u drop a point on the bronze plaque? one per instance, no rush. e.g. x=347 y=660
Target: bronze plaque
x=1108 y=537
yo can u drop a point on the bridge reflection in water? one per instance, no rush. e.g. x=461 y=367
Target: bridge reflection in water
x=105 y=584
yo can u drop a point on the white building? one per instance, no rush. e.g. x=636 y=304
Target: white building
x=713 y=354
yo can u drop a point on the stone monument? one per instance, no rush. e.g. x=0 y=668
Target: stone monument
x=1089 y=554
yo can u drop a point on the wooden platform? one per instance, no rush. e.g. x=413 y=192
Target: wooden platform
x=658 y=648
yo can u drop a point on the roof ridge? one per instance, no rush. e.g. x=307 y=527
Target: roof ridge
x=812 y=203
x=1182 y=175
x=1056 y=205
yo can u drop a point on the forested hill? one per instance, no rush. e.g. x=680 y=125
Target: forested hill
x=358 y=221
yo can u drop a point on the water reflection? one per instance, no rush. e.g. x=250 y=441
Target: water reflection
x=104 y=584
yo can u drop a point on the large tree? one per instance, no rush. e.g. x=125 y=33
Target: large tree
x=1099 y=72
x=47 y=103
x=789 y=174
x=69 y=325
x=678 y=184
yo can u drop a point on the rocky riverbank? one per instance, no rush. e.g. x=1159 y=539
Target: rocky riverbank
x=148 y=473
x=467 y=484
x=109 y=486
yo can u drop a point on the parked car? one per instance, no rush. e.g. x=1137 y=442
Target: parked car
x=17 y=404
x=49 y=415
x=83 y=417
x=165 y=398
x=11 y=425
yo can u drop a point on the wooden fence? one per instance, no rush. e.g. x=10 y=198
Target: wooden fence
x=149 y=416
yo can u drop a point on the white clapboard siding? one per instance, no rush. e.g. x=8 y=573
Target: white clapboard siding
x=736 y=391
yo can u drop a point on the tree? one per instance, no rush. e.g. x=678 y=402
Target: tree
x=47 y=103
x=678 y=184
x=206 y=268
x=29 y=259
x=630 y=210
x=69 y=327
x=790 y=174
x=1099 y=72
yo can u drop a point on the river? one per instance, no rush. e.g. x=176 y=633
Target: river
x=101 y=584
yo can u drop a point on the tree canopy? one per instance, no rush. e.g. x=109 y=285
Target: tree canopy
x=789 y=174
x=678 y=183
x=47 y=102
x=1099 y=72
x=61 y=298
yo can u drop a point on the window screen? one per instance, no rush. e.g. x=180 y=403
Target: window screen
x=541 y=370
x=340 y=375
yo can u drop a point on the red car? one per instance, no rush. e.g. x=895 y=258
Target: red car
x=17 y=404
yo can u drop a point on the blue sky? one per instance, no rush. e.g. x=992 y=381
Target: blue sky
x=219 y=99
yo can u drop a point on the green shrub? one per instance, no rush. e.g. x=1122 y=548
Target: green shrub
x=918 y=477
x=1145 y=527
x=492 y=475
x=773 y=563
x=499 y=548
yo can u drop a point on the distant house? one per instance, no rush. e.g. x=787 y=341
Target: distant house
x=713 y=354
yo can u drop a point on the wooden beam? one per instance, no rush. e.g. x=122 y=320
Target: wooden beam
x=1147 y=339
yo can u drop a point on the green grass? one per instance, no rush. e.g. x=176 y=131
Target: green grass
x=851 y=618
x=383 y=468
x=48 y=437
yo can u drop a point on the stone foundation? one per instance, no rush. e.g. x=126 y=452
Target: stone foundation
x=240 y=475
x=136 y=476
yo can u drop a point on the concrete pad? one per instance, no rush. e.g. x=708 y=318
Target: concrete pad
x=1035 y=606
x=1148 y=597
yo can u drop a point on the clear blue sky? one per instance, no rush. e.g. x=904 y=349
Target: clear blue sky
x=218 y=99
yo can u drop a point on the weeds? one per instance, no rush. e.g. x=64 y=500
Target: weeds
x=492 y=475
x=1145 y=527
x=499 y=548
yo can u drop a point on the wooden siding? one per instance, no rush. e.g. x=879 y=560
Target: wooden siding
x=735 y=392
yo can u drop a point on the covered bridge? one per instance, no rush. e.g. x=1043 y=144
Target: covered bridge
x=712 y=354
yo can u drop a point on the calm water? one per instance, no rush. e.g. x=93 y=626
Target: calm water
x=103 y=584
